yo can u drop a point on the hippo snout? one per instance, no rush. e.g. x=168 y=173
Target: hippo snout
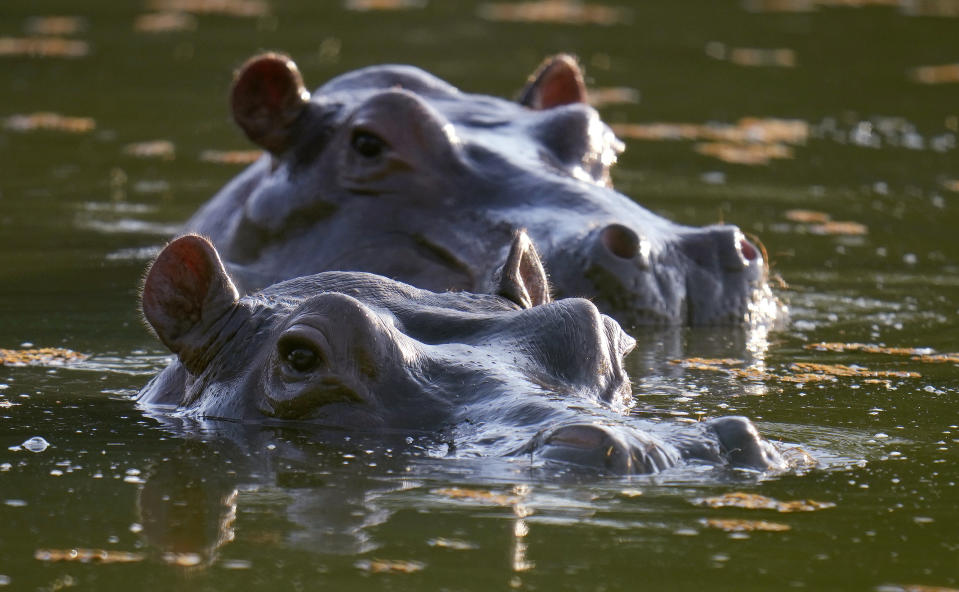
x=621 y=243
x=743 y=447
x=721 y=248
x=617 y=449
x=698 y=276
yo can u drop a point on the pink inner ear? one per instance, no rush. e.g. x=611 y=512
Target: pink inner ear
x=177 y=286
x=184 y=274
x=268 y=95
x=267 y=81
x=268 y=85
x=560 y=84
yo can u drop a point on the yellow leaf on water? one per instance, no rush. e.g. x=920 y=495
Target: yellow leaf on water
x=835 y=227
x=750 y=501
x=87 y=555
x=600 y=97
x=952 y=358
x=657 y=131
x=868 y=348
x=231 y=156
x=164 y=22
x=476 y=495
x=389 y=566
x=940 y=8
x=747 y=130
x=241 y=8
x=722 y=365
x=751 y=56
x=804 y=506
x=754 y=501
x=736 y=525
x=806 y=377
x=946 y=73
x=843 y=370
x=183 y=559
x=43 y=47
x=812 y=5
x=49 y=122
x=748 y=154
x=567 y=12
x=807 y=216
x=367 y=5
x=710 y=362
x=162 y=149
x=781 y=57
x=44 y=356
x=55 y=25
x=454 y=544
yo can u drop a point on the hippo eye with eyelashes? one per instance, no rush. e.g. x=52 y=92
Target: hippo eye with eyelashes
x=298 y=355
x=366 y=144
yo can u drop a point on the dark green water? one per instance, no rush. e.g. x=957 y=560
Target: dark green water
x=80 y=217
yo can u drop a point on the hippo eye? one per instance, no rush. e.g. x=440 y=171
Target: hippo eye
x=367 y=144
x=299 y=356
x=301 y=360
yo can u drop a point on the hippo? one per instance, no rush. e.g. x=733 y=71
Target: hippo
x=512 y=374
x=392 y=171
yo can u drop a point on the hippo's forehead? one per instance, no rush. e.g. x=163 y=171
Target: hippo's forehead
x=568 y=329
x=482 y=111
x=383 y=77
x=445 y=318
x=569 y=138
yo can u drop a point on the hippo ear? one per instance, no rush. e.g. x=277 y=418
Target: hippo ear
x=557 y=81
x=523 y=278
x=267 y=98
x=187 y=290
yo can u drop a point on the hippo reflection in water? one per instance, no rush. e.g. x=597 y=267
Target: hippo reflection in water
x=392 y=171
x=507 y=374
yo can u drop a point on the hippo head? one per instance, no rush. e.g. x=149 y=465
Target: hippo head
x=356 y=350
x=390 y=170
x=507 y=373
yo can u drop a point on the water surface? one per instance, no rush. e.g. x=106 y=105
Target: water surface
x=828 y=131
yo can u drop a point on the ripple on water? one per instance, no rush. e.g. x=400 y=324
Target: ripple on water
x=127 y=226
x=134 y=254
x=832 y=447
x=137 y=364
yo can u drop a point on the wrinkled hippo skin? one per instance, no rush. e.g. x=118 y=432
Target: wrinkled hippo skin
x=390 y=170
x=511 y=373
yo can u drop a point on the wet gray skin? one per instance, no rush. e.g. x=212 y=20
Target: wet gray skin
x=507 y=374
x=390 y=170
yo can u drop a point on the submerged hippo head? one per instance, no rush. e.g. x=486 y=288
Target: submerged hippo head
x=390 y=170
x=509 y=373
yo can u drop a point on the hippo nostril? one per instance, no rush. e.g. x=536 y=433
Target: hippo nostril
x=748 y=250
x=620 y=241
